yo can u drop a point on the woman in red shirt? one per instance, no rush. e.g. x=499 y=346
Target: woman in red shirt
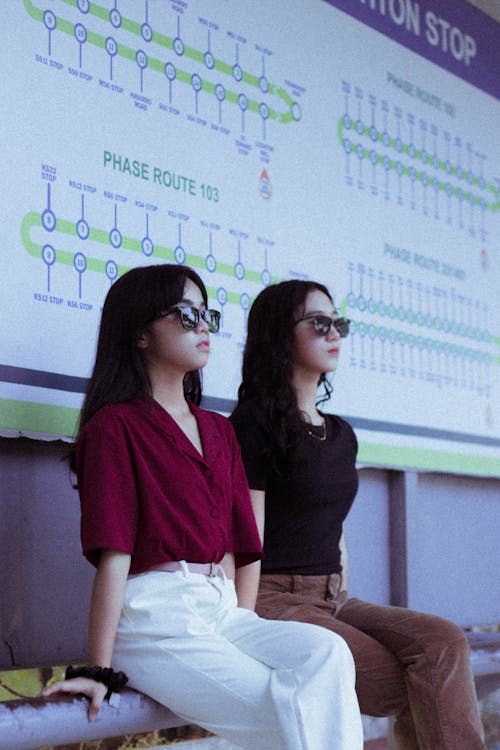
x=168 y=523
x=301 y=468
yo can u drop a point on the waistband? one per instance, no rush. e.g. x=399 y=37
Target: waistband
x=205 y=569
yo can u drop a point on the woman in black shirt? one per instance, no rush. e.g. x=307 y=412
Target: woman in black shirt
x=300 y=465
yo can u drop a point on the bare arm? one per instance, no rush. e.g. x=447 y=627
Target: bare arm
x=343 y=561
x=247 y=577
x=105 y=608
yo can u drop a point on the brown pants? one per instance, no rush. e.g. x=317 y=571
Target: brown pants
x=408 y=664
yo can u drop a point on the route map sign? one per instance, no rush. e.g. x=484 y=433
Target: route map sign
x=352 y=142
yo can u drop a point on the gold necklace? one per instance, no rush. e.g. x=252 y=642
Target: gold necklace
x=315 y=435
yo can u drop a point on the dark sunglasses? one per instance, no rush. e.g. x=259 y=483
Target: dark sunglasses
x=190 y=317
x=322 y=325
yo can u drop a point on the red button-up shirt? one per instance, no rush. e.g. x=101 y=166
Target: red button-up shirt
x=146 y=490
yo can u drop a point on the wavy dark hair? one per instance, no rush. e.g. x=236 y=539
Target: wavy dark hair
x=267 y=367
x=133 y=301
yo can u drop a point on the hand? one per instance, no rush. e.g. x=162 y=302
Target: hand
x=96 y=691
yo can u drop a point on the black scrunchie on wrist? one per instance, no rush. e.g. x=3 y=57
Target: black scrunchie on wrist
x=114 y=681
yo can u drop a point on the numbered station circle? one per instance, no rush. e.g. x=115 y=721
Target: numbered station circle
x=221 y=296
x=83 y=5
x=147 y=246
x=243 y=102
x=170 y=71
x=387 y=163
x=50 y=20
x=210 y=263
x=82 y=229
x=111 y=270
x=264 y=84
x=115 y=18
x=80 y=262
x=48 y=255
x=435 y=184
x=245 y=301
x=413 y=174
x=111 y=46
x=382 y=333
x=178 y=46
x=373 y=133
x=237 y=73
x=361 y=302
x=362 y=328
x=115 y=238
x=423 y=178
x=372 y=331
x=209 y=60
x=347 y=146
x=373 y=157
x=296 y=111
x=360 y=151
x=141 y=59
x=179 y=255
x=351 y=299
x=80 y=33
x=448 y=189
x=371 y=305
x=359 y=127
x=239 y=271
x=146 y=32
x=263 y=110
x=265 y=277
x=347 y=121
x=48 y=220
x=220 y=92
x=386 y=139
x=196 y=82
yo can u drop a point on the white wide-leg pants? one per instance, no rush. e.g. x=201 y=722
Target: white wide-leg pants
x=261 y=684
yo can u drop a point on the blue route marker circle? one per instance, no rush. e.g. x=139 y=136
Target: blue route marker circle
x=399 y=168
x=111 y=46
x=82 y=229
x=179 y=255
x=115 y=18
x=115 y=237
x=373 y=157
x=221 y=295
x=50 y=20
x=264 y=84
x=373 y=133
x=347 y=121
x=245 y=301
x=146 y=32
x=178 y=46
x=209 y=60
x=237 y=73
x=147 y=246
x=360 y=151
x=48 y=255
x=220 y=92
x=386 y=139
x=80 y=262
x=196 y=82
x=243 y=102
x=296 y=111
x=210 y=263
x=347 y=146
x=48 y=220
x=141 y=59
x=239 y=270
x=266 y=277
x=111 y=270
x=264 y=110
x=387 y=163
x=83 y=5
x=80 y=33
x=170 y=71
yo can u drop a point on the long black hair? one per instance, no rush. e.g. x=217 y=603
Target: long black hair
x=268 y=370
x=137 y=297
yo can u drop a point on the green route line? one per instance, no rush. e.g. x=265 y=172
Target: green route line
x=293 y=114
x=33 y=219
x=420 y=176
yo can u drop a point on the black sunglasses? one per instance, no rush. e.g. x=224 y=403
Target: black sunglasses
x=322 y=325
x=190 y=317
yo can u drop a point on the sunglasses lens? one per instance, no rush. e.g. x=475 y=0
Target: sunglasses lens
x=212 y=318
x=322 y=325
x=189 y=317
x=342 y=326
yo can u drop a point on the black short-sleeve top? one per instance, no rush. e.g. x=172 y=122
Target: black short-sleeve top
x=304 y=510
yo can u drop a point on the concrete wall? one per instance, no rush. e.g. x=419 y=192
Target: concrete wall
x=428 y=540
